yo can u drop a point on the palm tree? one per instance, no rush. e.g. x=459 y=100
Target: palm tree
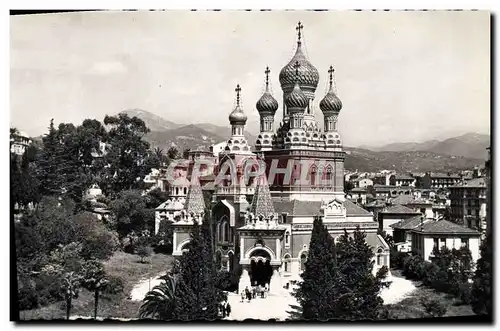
x=173 y=153
x=159 y=303
x=159 y=154
x=94 y=280
x=70 y=286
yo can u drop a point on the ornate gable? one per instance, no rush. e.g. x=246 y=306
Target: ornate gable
x=334 y=209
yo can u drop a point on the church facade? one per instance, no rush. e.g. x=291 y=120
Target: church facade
x=264 y=222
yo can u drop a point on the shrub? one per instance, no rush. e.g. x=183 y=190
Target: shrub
x=434 y=307
x=398 y=259
x=224 y=282
x=143 y=252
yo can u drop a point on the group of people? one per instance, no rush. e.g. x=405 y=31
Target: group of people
x=225 y=309
x=254 y=292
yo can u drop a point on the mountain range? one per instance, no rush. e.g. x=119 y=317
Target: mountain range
x=453 y=154
x=472 y=145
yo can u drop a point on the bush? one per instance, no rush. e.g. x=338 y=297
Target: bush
x=465 y=293
x=114 y=286
x=434 y=307
x=398 y=259
x=143 y=252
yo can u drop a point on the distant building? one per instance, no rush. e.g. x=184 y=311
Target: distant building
x=394 y=214
x=402 y=180
x=468 y=203
x=19 y=142
x=388 y=191
x=439 y=180
x=423 y=206
x=402 y=234
x=443 y=233
x=358 y=194
x=487 y=173
x=168 y=211
x=365 y=182
x=382 y=179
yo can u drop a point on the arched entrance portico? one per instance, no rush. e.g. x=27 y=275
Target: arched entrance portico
x=260 y=267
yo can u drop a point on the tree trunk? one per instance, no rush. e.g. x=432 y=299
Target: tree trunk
x=96 y=302
x=68 y=307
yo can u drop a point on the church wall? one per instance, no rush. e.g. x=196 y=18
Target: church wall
x=181 y=236
x=298 y=242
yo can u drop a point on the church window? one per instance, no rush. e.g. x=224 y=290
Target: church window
x=303 y=260
x=286 y=263
x=226 y=231
x=287 y=239
x=283 y=218
x=176 y=191
x=380 y=259
x=185 y=190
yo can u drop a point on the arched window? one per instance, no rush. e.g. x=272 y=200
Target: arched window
x=226 y=231
x=176 y=191
x=328 y=175
x=313 y=175
x=219 y=232
x=286 y=263
x=185 y=190
x=223 y=230
x=303 y=260
x=230 y=261
x=287 y=239
x=380 y=257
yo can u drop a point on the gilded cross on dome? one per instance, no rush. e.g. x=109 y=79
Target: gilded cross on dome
x=299 y=29
x=238 y=90
x=267 y=76
x=331 y=71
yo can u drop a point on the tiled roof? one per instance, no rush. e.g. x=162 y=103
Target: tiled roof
x=359 y=190
x=444 y=226
x=399 y=209
x=353 y=209
x=307 y=208
x=407 y=224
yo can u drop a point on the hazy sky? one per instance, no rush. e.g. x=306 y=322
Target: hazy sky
x=402 y=76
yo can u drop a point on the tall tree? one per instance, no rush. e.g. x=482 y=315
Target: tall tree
x=197 y=297
x=482 y=294
x=318 y=277
x=50 y=163
x=356 y=289
x=127 y=153
x=131 y=212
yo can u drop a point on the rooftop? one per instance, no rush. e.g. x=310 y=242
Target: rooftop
x=399 y=209
x=307 y=208
x=473 y=183
x=445 y=227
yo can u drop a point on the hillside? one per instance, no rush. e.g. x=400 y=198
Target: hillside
x=189 y=136
x=471 y=145
x=417 y=161
x=153 y=122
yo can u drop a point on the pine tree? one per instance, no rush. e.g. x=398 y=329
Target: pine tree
x=356 y=289
x=482 y=294
x=317 y=279
x=197 y=297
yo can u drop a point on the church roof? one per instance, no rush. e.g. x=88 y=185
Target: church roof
x=261 y=202
x=308 y=208
x=194 y=200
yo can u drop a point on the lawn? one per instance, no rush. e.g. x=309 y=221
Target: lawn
x=126 y=266
x=411 y=306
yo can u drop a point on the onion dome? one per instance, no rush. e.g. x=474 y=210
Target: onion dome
x=297 y=98
x=308 y=75
x=331 y=102
x=267 y=103
x=237 y=116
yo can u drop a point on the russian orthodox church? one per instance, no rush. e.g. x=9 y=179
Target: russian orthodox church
x=265 y=225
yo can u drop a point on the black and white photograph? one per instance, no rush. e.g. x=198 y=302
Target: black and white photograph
x=230 y=166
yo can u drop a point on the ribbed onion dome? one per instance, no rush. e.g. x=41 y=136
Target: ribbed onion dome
x=266 y=103
x=330 y=103
x=308 y=74
x=297 y=98
x=237 y=116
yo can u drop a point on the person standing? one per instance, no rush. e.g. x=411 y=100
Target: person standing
x=228 y=309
